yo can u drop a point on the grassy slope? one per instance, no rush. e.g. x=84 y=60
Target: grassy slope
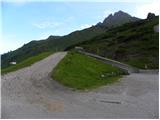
x=134 y=43
x=82 y=72
x=26 y=62
x=53 y=43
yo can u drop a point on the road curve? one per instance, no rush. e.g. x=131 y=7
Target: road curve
x=31 y=93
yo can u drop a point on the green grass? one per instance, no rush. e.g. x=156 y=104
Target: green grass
x=142 y=63
x=82 y=72
x=25 y=63
x=133 y=43
x=52 y=43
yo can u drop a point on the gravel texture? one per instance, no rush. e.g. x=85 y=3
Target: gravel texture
x=31 y=93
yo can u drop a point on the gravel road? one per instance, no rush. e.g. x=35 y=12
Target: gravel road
x=31 y=93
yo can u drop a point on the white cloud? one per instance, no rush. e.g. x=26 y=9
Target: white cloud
x=69 y=19
x=47 y=24
x=51 y=23
x=144 y=9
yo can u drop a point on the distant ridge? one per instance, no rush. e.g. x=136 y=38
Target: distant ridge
x=60 y=43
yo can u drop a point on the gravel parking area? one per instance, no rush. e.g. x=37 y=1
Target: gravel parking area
x=31 y=93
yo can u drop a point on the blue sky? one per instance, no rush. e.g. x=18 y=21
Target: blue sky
x=23 y=21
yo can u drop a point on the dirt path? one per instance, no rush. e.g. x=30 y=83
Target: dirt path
x=31 y=93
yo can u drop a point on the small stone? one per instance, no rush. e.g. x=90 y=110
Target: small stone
x=102 y=76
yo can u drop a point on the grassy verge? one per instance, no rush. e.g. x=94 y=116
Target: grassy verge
x=133 y=43
x=26 y=62
x=142 y=63
x=82 y=72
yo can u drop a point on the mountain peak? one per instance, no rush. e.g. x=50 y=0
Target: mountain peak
x=120 y=13
x=118 y=18
x=150 y=15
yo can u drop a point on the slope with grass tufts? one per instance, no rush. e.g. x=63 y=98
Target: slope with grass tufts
x=82 y=72
x=29 y=61
x=136 y=44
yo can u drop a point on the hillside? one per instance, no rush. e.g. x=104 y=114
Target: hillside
x=60 y=43
x=50 y=44
x=25 y=63
x=134 y=43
